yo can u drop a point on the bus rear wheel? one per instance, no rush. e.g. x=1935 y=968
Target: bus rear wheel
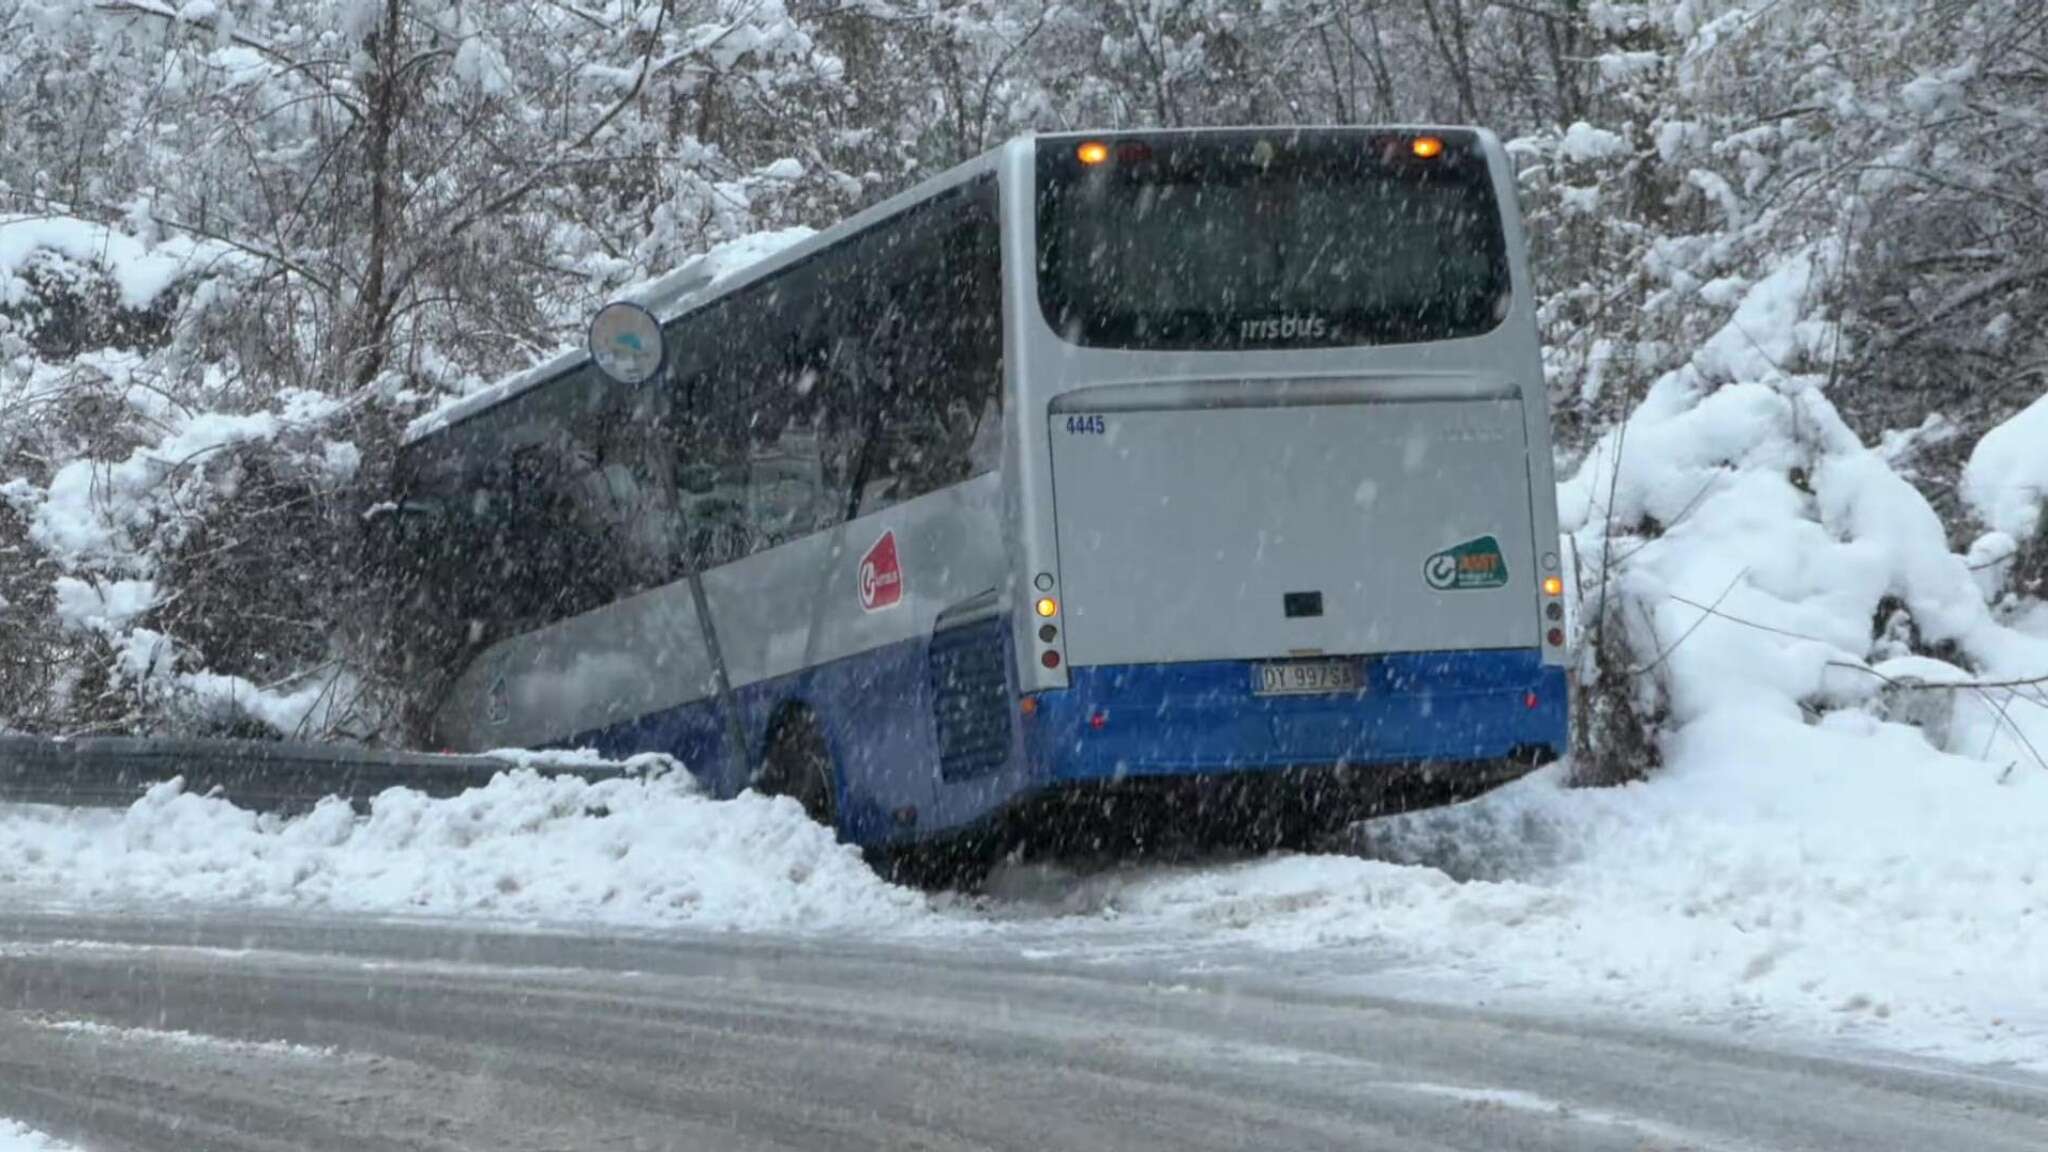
x=798 y=764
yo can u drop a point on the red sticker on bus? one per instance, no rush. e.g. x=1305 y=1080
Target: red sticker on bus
x=881 y=575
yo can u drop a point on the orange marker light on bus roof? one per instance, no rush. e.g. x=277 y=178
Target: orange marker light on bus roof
x=1427 y=147
x=1047 y=606
x=1093 y=152
x=1553 y=586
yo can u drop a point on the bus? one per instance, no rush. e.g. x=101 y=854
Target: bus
x=1198 y=464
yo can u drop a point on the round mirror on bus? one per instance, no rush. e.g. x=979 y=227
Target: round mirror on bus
x=625 y=341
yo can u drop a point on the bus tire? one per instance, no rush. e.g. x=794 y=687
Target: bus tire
x=798 y=764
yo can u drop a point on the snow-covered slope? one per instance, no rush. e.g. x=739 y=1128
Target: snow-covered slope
x=21 y=1138
x=2006 y=482
x=1835 y=880
x=636 y=852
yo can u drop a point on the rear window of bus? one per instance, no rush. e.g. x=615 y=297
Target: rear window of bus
x=1253 y=240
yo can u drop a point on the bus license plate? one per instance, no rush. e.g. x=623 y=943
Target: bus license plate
x=1305 y=678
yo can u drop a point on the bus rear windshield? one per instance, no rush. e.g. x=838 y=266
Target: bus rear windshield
x=1244 y=240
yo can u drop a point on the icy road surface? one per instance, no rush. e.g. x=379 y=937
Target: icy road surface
x=225 y=1031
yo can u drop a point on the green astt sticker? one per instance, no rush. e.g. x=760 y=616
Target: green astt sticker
x=1476 y=563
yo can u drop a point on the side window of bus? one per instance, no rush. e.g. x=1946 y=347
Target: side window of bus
x=532 y=571
x=935 y=326
x=623 y=481
x=865 y=376
x=711 y=463
x=747 y=449
x=786 y=466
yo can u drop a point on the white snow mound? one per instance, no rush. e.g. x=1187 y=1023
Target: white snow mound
x=2006 y=480
x=1838 y=879
x=646 y=852
x=16 y=1137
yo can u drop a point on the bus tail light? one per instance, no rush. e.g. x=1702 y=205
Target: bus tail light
x=1048 y=607
x=1052 y=659
x=1553 y=585
x=1556 y=637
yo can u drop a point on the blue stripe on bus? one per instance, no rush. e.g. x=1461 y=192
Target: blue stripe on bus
x=876 y=709
x=1203 y=718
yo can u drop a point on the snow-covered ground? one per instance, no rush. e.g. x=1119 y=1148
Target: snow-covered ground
x=21 y=1138
x=630 y=852
x=1832 y=881
x=1839 y=879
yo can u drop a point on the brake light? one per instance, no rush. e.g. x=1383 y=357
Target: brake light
x=1050 y=659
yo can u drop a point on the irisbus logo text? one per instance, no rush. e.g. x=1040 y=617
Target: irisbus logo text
x=1283 y=328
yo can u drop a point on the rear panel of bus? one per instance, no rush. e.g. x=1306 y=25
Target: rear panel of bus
x=1282 y=470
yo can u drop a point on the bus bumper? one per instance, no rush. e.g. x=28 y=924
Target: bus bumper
x=1122 y=722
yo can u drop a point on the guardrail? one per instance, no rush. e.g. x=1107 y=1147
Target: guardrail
x=112 y=772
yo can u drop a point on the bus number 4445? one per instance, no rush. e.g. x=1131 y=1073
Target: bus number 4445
x=1086 y=426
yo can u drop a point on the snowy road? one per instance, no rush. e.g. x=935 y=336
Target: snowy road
x=229 y=1032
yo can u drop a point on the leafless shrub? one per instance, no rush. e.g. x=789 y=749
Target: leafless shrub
x=33 y=649
x=2028 y=575
x=1615 y=708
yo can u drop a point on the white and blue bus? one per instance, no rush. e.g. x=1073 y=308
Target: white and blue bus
x=1102 y=463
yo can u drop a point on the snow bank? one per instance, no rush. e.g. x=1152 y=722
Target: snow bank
x=1836 y=878
x=1760 y=537
x=21 y=1138
x=2006 y=480
x=181 y=1039
x=644 y=852
x=140 y=271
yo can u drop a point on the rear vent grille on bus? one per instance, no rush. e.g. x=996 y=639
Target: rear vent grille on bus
x=971 y=698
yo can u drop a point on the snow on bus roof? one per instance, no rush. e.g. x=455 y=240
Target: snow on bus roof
x=667 y=296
